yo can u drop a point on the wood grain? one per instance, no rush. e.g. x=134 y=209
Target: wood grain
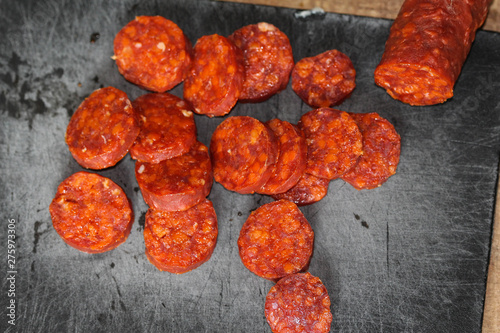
x=383 y=9
x=491 y=317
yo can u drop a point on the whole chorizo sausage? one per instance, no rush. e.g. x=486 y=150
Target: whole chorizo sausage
x=427 y=47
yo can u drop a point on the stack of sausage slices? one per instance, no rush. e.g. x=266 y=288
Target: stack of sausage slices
x=173 y=170
x=297 y=162
x=292 y=163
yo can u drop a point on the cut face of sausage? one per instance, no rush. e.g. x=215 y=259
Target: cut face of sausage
x=153 y=53
x=298 y=303
x=381 y=150
x=243 y=152
x=167 y=126
x=178 y=183
x=308 y=190
x=334 y=142
x=178 y=242
x=292 y=157
x=214 y=82
x=324 y=80
x=268 y=60
x=91 y=213
x=102 y=129
x=276 y=240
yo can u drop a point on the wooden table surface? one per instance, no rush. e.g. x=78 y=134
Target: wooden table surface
x=491 y=319
x=384 y=9
x=389 y=9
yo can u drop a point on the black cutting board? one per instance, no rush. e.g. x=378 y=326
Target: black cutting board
x=410 y=256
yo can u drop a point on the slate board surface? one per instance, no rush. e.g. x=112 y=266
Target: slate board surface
x=410 y=256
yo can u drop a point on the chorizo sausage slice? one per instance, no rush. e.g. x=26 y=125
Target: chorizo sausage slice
x=276 y=240
x=177 y=183
x=178 y=242
x=267 y=58
x=381 y=150
x=153 y=53
x=427 y=47
x=214 y=82
x=167 y=126
x=334 y=142
x=292 y=157
x=308 y=190
x=298 y=303
x=102 y=129
x=91 y=213
x=243 y=152
x=324 y=80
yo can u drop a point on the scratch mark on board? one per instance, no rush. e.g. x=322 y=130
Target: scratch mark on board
x=122 y=305
x=37 y=235
x=387 y=247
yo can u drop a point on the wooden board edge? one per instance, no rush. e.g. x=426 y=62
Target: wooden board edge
x=491 y=313
x=369 y=8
